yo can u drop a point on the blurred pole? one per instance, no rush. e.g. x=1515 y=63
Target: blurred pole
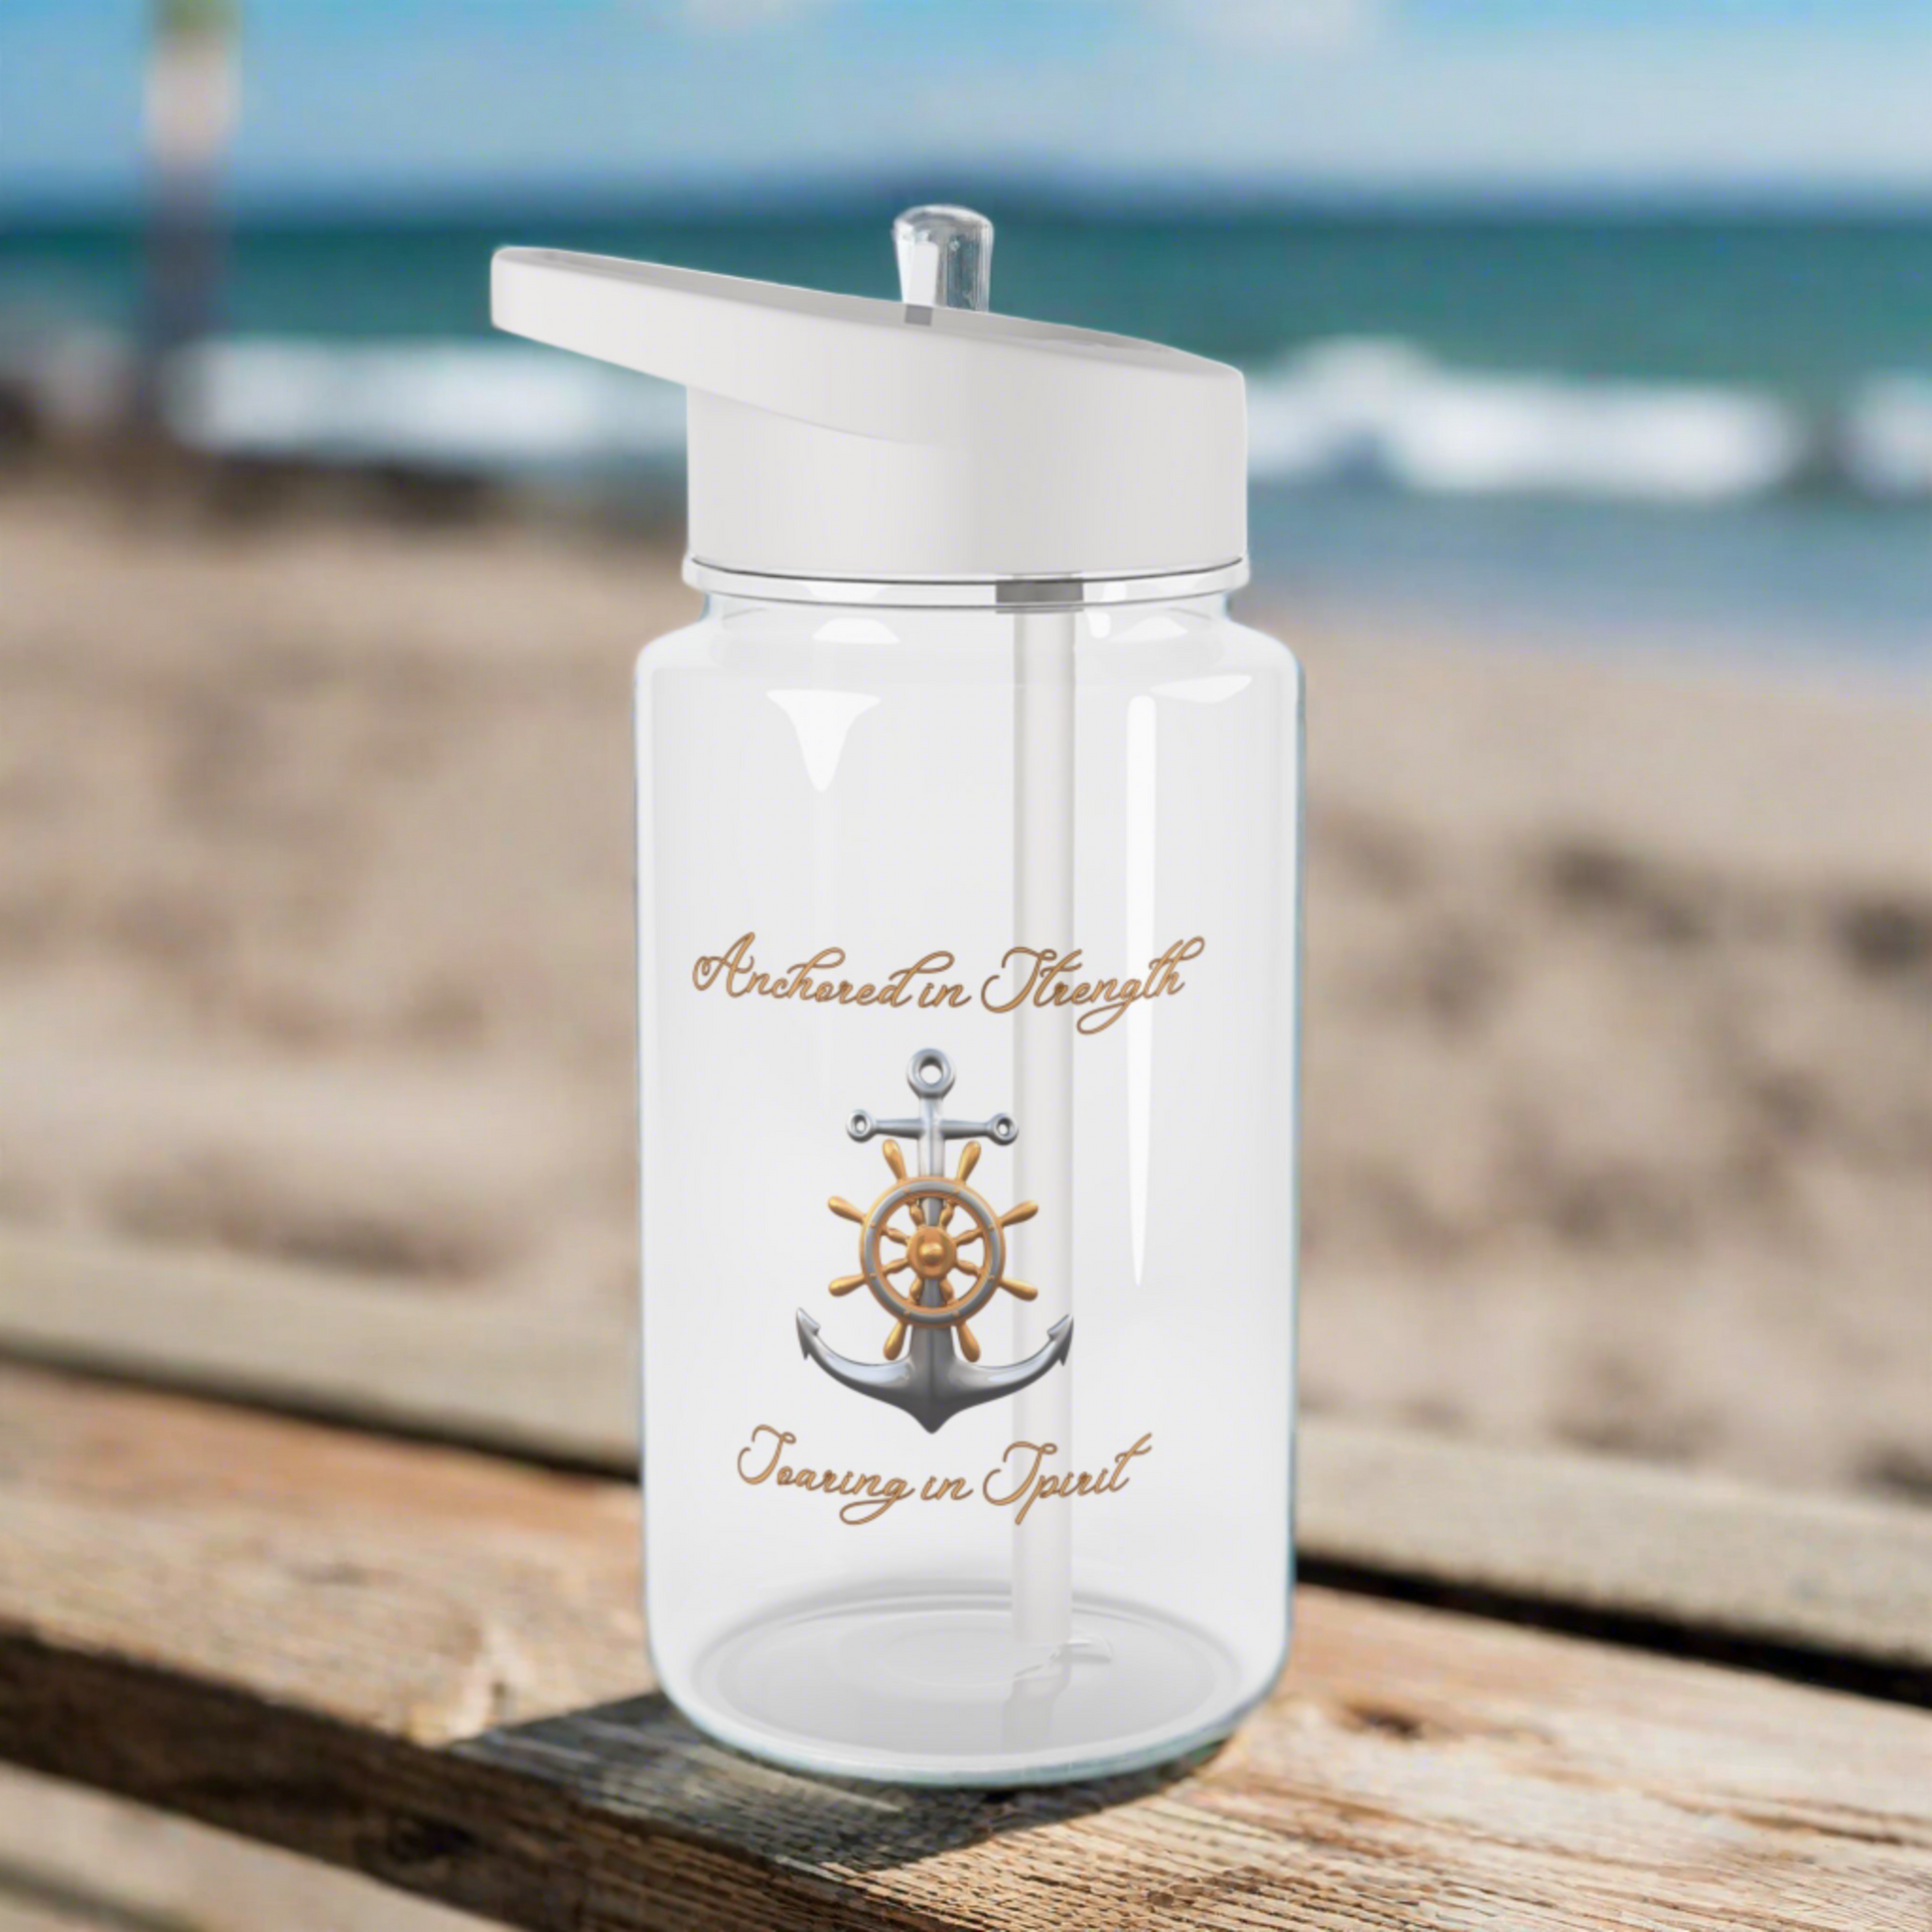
x=192 y=93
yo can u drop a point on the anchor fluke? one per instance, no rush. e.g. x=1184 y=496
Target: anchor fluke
x=932 y=1385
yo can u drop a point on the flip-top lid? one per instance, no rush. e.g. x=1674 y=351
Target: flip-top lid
x=834 y=437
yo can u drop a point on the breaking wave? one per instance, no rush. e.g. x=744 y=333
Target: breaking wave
x=1385 y=412
x=1358 y=411
x=443 y=405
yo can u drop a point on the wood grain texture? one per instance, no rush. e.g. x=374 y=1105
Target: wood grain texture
x=362 y=1348
x=86 y=1861
x=1841 y=1576
x=1838 y=1575
x=427 y=1666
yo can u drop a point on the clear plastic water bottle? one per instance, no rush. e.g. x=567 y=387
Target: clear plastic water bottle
x=968 y=892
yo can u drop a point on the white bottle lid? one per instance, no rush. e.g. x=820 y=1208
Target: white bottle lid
x=910 y=451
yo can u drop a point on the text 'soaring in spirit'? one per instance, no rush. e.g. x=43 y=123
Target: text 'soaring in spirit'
x=1021 y=1480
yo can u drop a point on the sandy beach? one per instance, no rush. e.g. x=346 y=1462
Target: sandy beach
x=315 y=943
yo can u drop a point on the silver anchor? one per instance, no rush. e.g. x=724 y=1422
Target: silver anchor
x=932 y=1384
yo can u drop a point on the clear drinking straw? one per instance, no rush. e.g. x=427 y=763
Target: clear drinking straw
x=1042 y=853
x=945 y=261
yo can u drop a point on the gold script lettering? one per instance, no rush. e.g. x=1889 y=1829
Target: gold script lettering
x=1042 y=976
x=1019 y=1481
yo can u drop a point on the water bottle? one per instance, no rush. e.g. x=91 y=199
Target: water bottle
x=969 y=832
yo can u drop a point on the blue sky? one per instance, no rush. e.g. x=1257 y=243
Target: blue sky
x=421 y=98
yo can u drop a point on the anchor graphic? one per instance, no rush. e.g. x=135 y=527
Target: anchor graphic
x=932 y=1385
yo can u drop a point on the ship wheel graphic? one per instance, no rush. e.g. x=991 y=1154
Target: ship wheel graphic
x=933 y=1253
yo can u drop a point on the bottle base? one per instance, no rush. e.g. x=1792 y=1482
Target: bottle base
x=931 y=1685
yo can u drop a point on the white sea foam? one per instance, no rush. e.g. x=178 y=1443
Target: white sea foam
x=1349 y=410
x=1383 y=410
x=1885 y=437
x=441 y=405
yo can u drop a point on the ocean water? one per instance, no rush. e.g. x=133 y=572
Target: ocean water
x=1702 y=432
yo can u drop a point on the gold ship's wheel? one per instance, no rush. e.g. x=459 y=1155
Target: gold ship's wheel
x=936 y=1278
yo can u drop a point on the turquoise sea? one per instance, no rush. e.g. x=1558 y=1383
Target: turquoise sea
x=1708 y=431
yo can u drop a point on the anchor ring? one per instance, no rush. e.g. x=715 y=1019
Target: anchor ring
x=929 y=1072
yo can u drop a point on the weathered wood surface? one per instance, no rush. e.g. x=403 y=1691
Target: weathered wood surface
x=79 y=1860
x=426 y=1665
x=326 y=1342
x=1839 y=1577
x=1834 y=1575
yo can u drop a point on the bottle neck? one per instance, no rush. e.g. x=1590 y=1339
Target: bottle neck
x=888 y=622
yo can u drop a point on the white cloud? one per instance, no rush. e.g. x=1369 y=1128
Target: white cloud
x=727 y=16
x=1314 y=25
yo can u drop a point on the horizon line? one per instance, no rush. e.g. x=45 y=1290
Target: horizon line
x=1122 y=199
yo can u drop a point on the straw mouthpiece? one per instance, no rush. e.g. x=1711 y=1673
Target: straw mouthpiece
x=945 y=257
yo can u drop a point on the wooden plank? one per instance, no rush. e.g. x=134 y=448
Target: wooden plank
x=426 y=1665
x=394 y=1354
x=85 y=1862
x=1834 y=1575
x=1837 y=1576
